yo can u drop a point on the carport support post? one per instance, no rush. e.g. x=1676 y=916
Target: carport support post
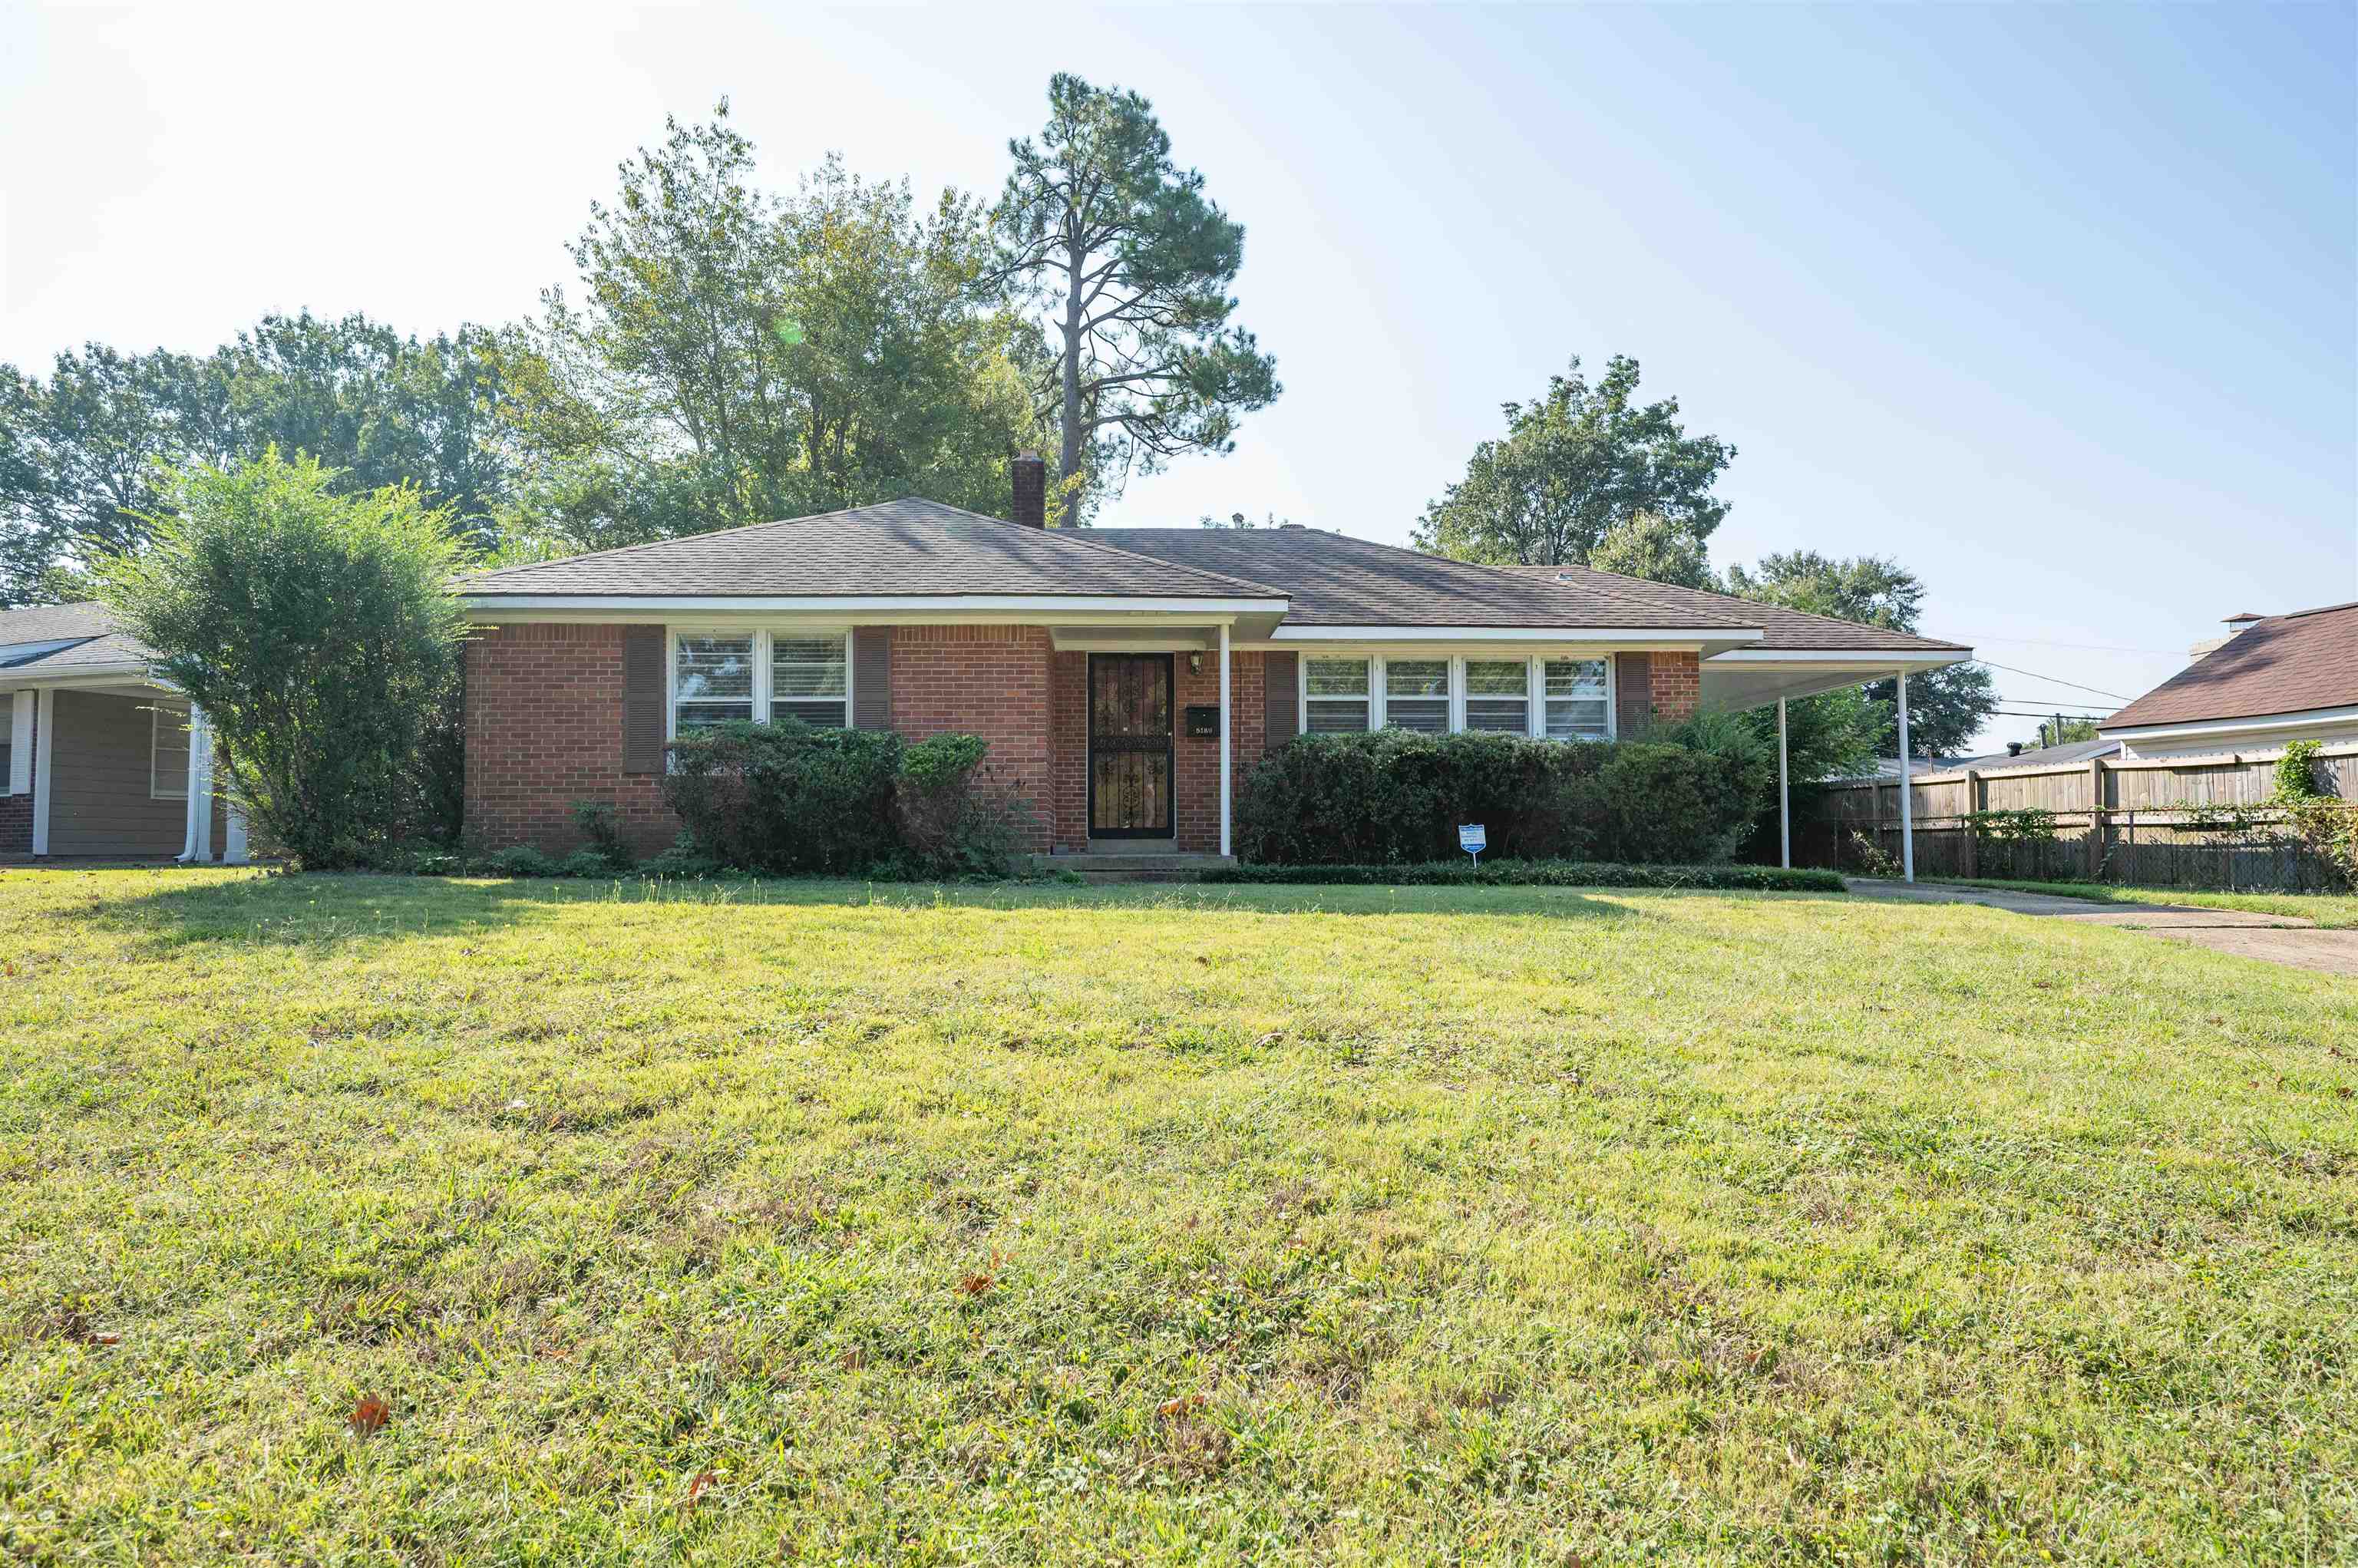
x=1227 y=742
x=1906 y=806
x=1784 y=796
x=45 y=742
x=197 y=840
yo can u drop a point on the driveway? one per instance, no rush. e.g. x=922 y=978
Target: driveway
x=2278 y=938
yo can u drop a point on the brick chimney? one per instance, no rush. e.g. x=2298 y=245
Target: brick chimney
x=2236 y=626
x=1031 y=475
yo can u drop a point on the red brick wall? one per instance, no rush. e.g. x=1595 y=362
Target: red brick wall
x=990 y=681
x=16 y=810
x=1195 y=792
x=1677 y=682
x=545 y=730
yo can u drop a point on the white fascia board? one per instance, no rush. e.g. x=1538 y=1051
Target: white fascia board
x=10 y=651
x=2194 y=727
x=1619 y=636
x=35 y=675
x=944 y=608
x=1844 y=658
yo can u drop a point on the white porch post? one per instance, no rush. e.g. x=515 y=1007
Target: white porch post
x=1226 y=739
x=196 y=839
x=1906 y=805
x=1784 y=796
x=233 y=837
x=20 y=753
x=45 y=742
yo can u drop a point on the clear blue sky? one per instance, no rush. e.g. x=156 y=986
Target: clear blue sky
x=2060 y=306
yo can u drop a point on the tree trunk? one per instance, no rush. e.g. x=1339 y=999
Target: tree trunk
x=1069 y=452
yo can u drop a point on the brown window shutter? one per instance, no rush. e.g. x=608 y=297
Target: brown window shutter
x=643 y=699
x=871 y=677
x=1282 y=699
x=1633 y=693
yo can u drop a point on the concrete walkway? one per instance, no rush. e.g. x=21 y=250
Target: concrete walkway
x=2278 y=938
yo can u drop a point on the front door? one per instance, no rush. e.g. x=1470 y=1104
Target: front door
x=1130 y=746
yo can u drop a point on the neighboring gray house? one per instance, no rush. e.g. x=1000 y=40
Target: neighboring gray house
x=98 y=758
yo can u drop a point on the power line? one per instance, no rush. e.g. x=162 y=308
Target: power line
x=2094 y=647
x=2054 y=680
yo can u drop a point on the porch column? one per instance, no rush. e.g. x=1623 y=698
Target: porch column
x=234 y=838
x=1784 y=796
x=196 y=840
x=1228 y=740
x=1906 y=805
x=45 y=742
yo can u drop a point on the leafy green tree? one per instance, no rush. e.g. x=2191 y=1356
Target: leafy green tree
x=319 y=632
x=1129 y=265
x=80 y=452
x=1573 y=466
x=1653 y=546
x=737 y=356
x=2062 y=732
x=1946 y=708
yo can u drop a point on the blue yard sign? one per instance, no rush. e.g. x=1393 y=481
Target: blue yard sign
x=1473 y=839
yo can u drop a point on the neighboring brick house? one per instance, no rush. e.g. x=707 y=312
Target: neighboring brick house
x=2271 y=679
x=1090 y=659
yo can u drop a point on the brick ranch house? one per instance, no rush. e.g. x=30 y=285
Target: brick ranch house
x=1104 y=667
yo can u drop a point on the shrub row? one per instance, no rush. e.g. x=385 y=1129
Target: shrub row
x=1393 y=795
x=1539 y=873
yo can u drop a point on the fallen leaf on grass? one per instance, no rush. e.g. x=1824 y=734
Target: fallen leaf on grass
x=1179 y=1406
x=704 y=1482
x=369 y=1416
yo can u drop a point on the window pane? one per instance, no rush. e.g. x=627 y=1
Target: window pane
x=806 y=667
x=1415 y=677
x=1488 y=677
x=1575 y=719
x=169 y=753
x=825 y=714
x=1336 y=677
x=1509 y=715
x=714 y=678
x=1427 y=715
x=1329 y=717
x=1576 y=677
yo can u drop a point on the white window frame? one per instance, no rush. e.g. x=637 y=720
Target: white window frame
x=1462 y=679
x=1540 y=696
x=770 y=641
x=763 y=658
x=18 y=779
x=1302 y=700
x=1535 y=682
x=156 y=714
x=1452 y=689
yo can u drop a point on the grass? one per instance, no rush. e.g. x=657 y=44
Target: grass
x=2330 y=911
x=373 y=1219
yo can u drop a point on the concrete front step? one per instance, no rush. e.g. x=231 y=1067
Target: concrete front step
x=1139 y=866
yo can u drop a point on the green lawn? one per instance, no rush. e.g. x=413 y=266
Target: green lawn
x=2333 y=911
x=812 y=1222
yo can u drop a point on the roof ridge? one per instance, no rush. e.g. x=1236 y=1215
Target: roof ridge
x=2321 y=609
x=1488 y=566
x=1754 y=604
x=1618 y=592
x=1063 y=535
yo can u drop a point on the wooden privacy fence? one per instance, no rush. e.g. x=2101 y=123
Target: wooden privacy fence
x=2158 y=822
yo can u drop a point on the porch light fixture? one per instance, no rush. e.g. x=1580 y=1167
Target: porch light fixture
x=1195 y=664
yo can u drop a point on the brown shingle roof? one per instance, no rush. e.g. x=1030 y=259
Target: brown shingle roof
x=1788 y=630
x=2284 y=664
x=906 y=547
x=1338 y=581
x=52 y=623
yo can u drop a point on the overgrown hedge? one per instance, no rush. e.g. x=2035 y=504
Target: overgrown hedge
x=1539 y=873
x=1396 y=796
x=788 y=798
